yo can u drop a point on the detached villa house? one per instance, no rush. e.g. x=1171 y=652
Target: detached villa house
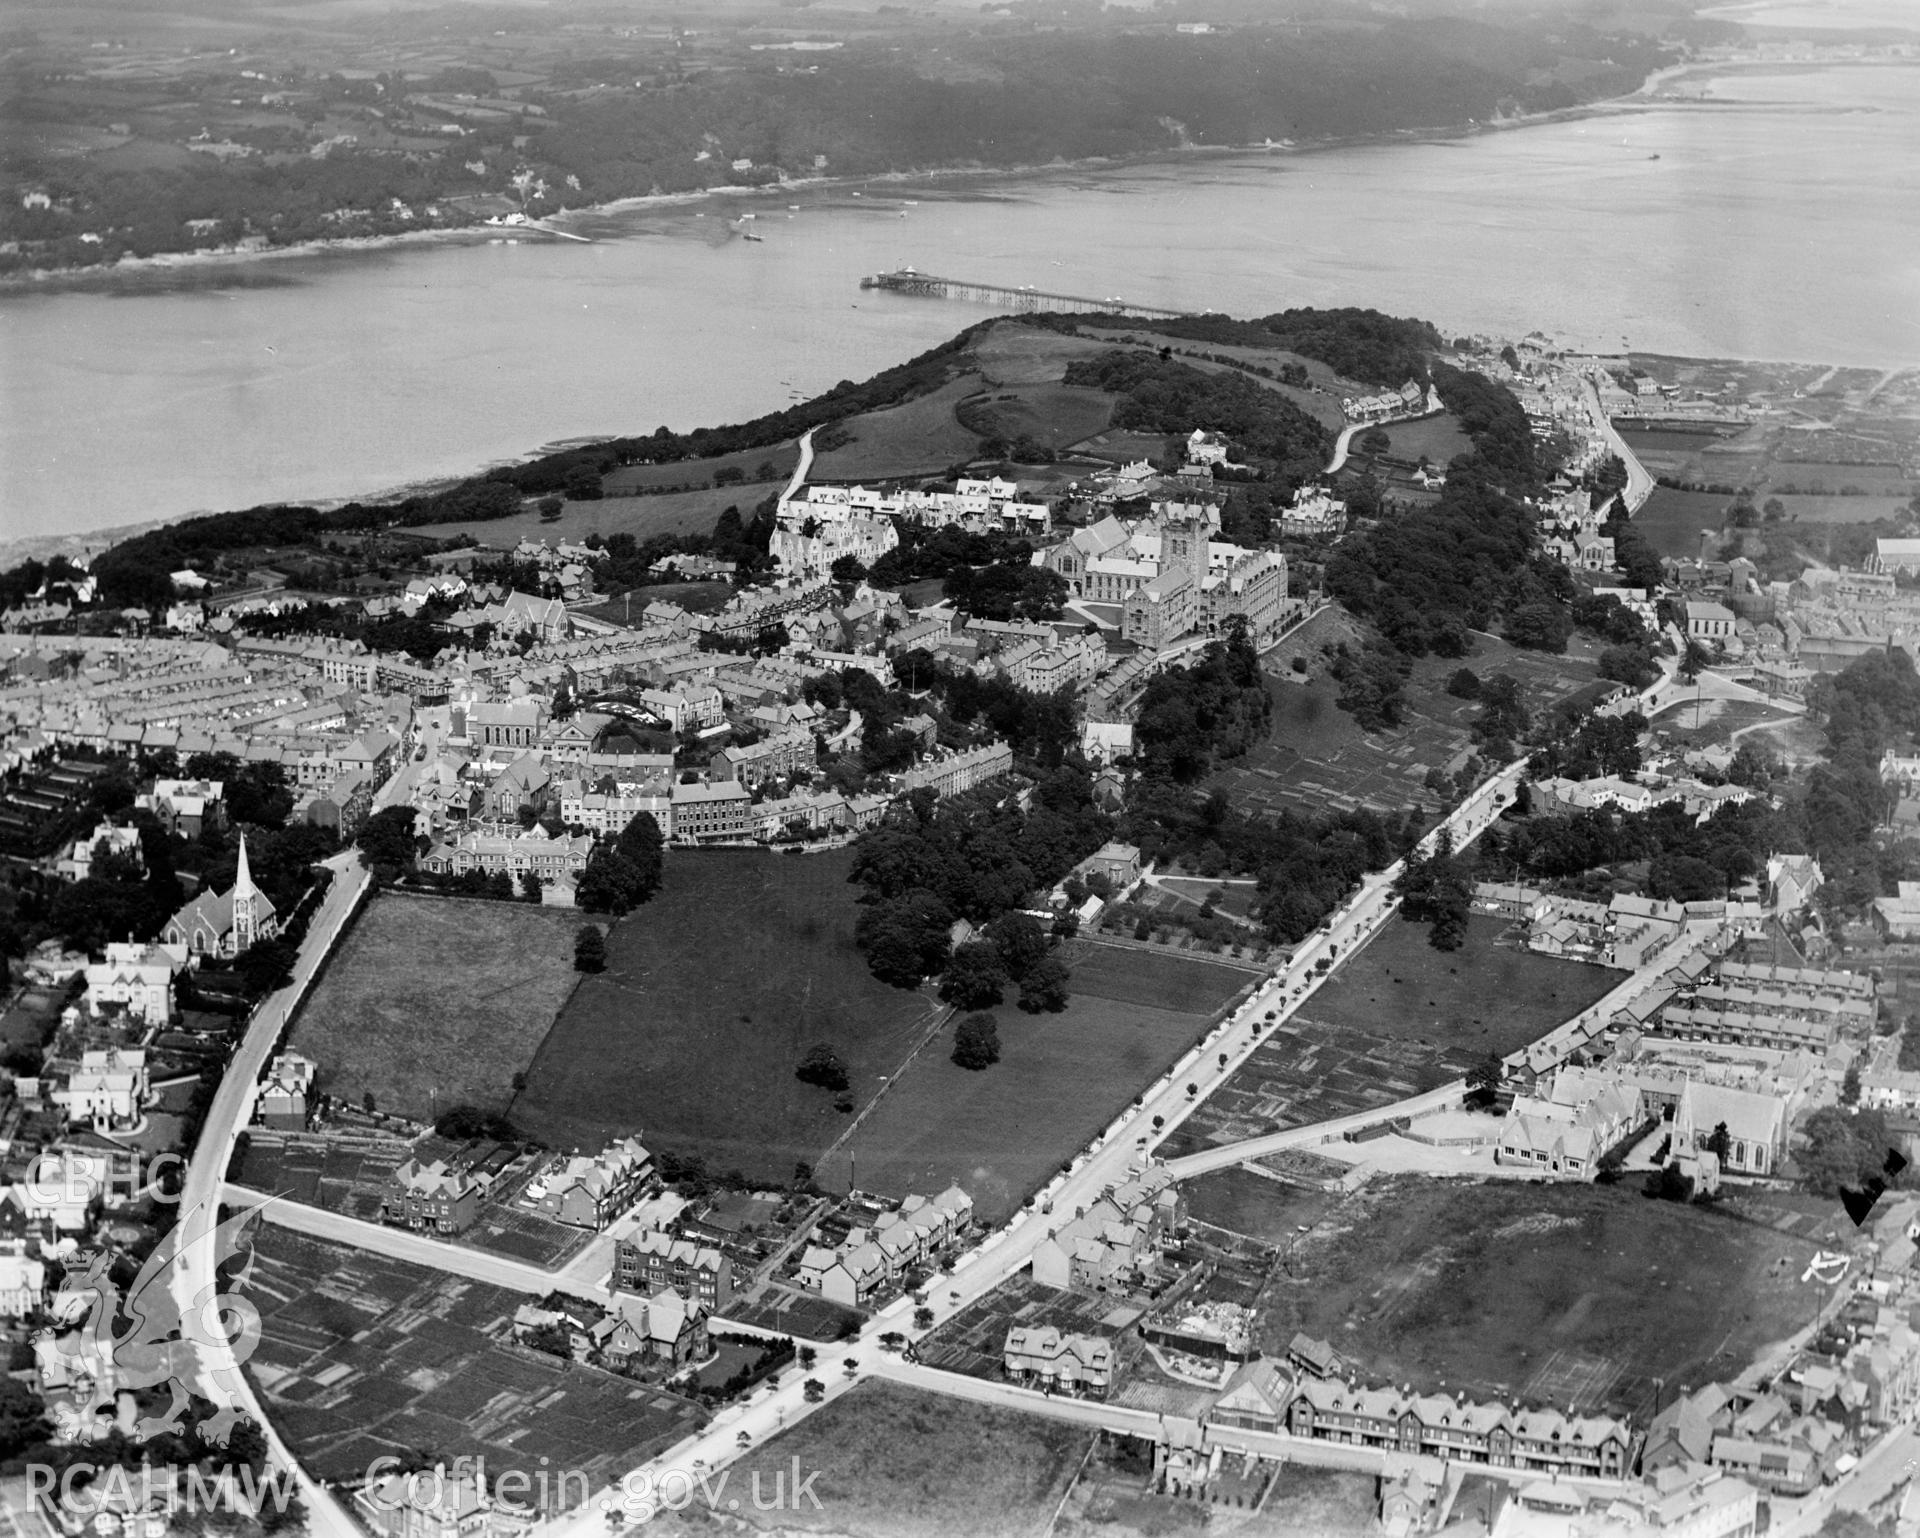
x=135 y=978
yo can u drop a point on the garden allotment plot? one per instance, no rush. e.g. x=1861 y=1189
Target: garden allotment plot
x=1399 y=1019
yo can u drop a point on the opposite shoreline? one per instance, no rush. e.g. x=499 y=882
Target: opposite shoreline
x=127 y=275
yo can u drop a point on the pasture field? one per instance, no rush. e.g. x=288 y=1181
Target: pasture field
x=713 y=993
x=919 y=437
x=432 y=1002
x=1671 y=520
x=1440 y=438
x=898 y=1463
x=752 y=463
x=1054 y=415
x=1399 y=1019
x=1805 y=508
x=681 y=512
x=1002 y=1131
x=1026 y=355
x=1550 y=1294
x=1484 y=996
x=696 y=597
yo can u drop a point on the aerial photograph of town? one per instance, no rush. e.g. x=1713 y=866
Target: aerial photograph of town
x=1046 y=769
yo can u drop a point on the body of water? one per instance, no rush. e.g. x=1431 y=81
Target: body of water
x=1768 y=215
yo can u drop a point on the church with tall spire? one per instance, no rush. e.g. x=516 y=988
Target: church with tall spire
x=225 y=924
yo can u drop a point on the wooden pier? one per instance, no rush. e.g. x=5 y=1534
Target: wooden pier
x=925 y=285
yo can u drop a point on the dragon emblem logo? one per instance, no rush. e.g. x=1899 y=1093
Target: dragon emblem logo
x=174 y=1328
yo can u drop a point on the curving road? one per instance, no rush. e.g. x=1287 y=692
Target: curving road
x=800 y=470
x=1639 y=483
x=193 y=1281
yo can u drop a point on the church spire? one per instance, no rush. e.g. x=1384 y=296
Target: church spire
x=246 y=904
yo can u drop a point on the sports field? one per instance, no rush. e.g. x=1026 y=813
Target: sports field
x=1001 y=1131
x=1563 y=1295
x=432 y=1002
x=712 y=994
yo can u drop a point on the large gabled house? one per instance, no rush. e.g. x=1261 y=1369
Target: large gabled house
x=666 y=1329
x=654 y=1260
x=431 y=1195
x=1045 y=1357
x=590 y=1192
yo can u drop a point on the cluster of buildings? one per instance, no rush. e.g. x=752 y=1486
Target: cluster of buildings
x=1793 y=1428
x=1630 y=930
x=1557 y=794
x=1170 y=578
x=816 y=525
x=444 y=1195
x=1410 y=400
x=1115 y=1241
x=871 y=1257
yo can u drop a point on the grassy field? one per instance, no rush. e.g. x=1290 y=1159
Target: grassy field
x=712 y=994
x=1804 y=508
x=1026 y=355
x=921 y=437
x=751 y=463
x=1002 y=1131
x=1671 y=520
x=1438 y=437
x=1051 y=414
x=362 y=1356
x=1552 y=1294
x=895 y=1463
x=1482 y=996
x=684 y=512
x=437 y=1001
x=1244 y=1202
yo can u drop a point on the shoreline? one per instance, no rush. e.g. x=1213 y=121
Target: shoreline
x=126 y=275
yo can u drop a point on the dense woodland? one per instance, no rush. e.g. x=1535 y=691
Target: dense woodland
x=1162 y=395
x=1358 y=344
